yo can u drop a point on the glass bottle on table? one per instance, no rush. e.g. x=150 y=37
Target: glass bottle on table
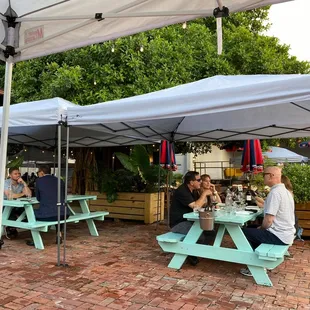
x=10 y=193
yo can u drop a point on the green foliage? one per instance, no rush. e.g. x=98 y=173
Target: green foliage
x=299 y=176
x=106 y=183
x=16 y=162
x=139 y=164
x=177 y=179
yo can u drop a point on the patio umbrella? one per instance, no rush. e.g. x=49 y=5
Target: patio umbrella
x=167 y=155
x=167 y=161
x=252 y=157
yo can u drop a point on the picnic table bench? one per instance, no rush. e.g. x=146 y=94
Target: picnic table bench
x=265 y=256
x=41 y=226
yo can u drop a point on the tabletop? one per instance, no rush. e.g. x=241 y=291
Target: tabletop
x=224 y=218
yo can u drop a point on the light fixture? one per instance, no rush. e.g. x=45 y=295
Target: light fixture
x=184 y=25
x=95 y=83
x=112 y=49
x=141 y=48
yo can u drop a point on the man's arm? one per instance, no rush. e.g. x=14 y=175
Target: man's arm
x=26 y=190
x=38 y=190
x=267 y=222
x=199 y=202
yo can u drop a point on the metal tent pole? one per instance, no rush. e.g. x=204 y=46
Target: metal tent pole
x=5 y=130
x=59 y=192
x=66 y=197
x=158 y=193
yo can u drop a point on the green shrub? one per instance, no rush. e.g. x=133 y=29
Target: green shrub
x=300 y=177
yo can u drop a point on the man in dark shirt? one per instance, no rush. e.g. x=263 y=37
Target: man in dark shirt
x=47 y=195
x=185 y=199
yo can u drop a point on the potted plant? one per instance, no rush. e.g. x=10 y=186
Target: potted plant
x=131 y=193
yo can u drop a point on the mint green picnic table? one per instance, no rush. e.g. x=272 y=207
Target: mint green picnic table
x=39 y=226
x=266 y=256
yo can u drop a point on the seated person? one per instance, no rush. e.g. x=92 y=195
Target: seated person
x=184 y=200
x=17 y=185
x=47 y=195
x=279 y=219
x=207 y=186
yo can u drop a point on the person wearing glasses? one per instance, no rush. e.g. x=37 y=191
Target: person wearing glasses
x=278 y=225
x=185 y=198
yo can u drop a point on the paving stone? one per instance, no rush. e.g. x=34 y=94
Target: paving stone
x=130 y=272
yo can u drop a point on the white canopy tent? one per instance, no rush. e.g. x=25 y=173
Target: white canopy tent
x=220 y=108
x=31 y=29
x=282 y=155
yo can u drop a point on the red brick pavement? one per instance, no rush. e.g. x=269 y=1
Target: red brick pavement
x=125 y=268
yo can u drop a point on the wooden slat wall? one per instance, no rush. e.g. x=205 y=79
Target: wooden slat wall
x=303 y=214
x=134 y=206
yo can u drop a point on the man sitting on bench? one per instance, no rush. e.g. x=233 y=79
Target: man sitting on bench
x=279 y=219
x=47 y=195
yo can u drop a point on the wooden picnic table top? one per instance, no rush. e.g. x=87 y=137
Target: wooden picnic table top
x=21 y=202
x=238 y=219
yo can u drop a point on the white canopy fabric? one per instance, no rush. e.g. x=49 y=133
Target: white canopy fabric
x=51 y=26
x=35 y=123
x=282 y=155
x=220 y=108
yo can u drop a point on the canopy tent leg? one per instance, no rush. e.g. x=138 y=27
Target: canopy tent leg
x=66 y=196
x=59 y=193
x=5 y=130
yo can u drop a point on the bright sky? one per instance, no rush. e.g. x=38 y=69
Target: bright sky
x=291 y=24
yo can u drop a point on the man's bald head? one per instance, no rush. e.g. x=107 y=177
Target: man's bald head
x=272 y=175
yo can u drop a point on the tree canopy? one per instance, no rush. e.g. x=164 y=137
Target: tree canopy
x=155 y=60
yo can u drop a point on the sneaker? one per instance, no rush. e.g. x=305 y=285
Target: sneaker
x=246 y=272
x=193 y=260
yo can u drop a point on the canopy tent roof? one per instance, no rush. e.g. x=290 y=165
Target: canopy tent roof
x=35 y=123
x=51 y=26
x=280 y=155
x=220 y=108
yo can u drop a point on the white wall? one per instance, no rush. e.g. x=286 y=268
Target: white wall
x=213 y=162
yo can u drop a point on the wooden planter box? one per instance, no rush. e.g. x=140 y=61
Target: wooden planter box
x=303 y=214
x=131 y=206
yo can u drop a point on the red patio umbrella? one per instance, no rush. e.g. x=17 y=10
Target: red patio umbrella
x=167 y=161
x=252 y=157
x=167 y=155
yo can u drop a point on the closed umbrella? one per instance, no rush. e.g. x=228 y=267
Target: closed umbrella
x=252 y=157
x=167 y=161
x=167 y=155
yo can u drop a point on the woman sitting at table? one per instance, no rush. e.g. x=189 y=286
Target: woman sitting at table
x=206 y=185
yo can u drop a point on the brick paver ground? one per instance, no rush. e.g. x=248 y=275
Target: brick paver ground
x=125 y=268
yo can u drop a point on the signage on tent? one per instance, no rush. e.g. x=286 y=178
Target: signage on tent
x=34 y=34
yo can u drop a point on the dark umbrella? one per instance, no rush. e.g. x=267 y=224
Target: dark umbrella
x=167 y=161
x=167 y=155
x=252 y=157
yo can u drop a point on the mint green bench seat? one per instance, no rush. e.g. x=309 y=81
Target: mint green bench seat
x=170 y=237
x=271 y=252
x=43 y=226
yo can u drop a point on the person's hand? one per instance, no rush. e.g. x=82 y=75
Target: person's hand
x=212 y=188
x=259 y=201
x=20 y=181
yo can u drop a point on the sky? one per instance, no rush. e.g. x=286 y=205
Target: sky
x=291 y=24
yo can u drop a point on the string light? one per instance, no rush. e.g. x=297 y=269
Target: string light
x=42 y=152
x=184 y=26
x=113 y=49
x=141 y=48
x=95 y=83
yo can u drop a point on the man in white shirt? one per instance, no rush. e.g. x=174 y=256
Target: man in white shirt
x=278 y=226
